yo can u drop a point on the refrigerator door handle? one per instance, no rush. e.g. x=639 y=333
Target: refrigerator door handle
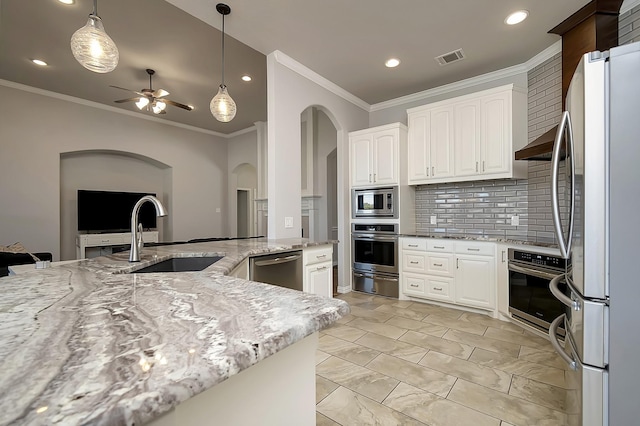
x=553 y=329
x=565 y=124
x=567 y=301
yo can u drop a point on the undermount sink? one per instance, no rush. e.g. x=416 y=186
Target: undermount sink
x=180 y=264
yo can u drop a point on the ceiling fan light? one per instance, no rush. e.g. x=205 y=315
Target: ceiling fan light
x=222 y=106
x=93 y=48
x=143 y=102
x=161 y=105
x=156 y=109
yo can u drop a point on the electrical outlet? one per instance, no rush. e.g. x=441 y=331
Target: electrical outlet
x=218 y=210
x=288 y=222
x=515 y=220
x=434 y=220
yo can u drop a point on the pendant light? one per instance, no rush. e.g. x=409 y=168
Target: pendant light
x=92 y=47
x=222 y=106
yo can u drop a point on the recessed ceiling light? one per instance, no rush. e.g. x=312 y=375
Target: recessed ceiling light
x=392 y=63
x=67 y=1
x=246 y=78
x=516 y=17
x=39 y=62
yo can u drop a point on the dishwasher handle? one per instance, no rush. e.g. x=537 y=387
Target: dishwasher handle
x=277 y=260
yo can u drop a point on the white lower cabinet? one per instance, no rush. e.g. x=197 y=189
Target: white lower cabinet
x=318 y=270
x=461 y=273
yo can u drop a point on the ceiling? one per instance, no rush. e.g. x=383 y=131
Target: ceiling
x=346 y=42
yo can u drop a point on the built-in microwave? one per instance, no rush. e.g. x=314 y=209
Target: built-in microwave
x=374 y=203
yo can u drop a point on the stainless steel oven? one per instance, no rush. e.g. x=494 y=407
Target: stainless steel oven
x=375 y=258
x=530 y=299
x=374 y=202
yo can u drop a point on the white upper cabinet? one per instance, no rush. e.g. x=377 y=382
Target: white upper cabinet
x=375 y=155
x=471 y=137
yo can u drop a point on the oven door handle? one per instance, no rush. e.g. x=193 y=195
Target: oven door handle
x=567 y=301
x=527 y=271
x=553 y=329
x=374 y=237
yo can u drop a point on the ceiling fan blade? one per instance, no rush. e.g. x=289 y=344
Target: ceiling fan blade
x=119 y=101
x=128 y=90
x=160 y=93
x=177 y=104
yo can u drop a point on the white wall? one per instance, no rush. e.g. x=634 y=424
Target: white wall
x=288 y=94
x=242 y=156
x=36 y=129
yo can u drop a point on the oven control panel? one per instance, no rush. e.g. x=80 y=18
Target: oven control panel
x=538 y=259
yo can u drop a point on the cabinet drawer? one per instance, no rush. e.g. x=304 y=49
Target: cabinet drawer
x=439 y=264
x=417 y=244
x=444 y=246
x=414 y=261
x=439 y=288
x=414 y=284
x=483 y=249
x=319 y=254
x=96 y=240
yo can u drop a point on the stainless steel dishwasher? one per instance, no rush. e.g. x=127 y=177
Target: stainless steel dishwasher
x=282 y=269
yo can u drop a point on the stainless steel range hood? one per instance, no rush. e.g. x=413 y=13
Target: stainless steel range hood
x=540 y=149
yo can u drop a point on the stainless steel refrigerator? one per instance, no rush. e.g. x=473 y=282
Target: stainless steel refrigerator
x=596 y=204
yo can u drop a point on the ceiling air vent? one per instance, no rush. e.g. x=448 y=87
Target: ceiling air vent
x=447 y=58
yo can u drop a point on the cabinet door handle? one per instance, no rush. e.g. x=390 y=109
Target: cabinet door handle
x=472 y=249
x=412 y=245
x=413 y=262
x=427 y=171
x=321 y=268
x=476 y=167
x=457 y=263
x=414 y=285
x=437 y=264
x=483 y=166
x=437 y=289
x=438 y=247
x=374 y=177
x=320 y=256
x=502 y=256
x=369 y=177
x=433 y=171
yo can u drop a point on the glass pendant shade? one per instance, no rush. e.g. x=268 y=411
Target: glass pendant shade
x=93 y=48
x=222 y=106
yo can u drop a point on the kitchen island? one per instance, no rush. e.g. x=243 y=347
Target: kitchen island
x=91 y=343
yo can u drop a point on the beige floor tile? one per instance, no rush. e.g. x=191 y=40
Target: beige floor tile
x=386 y=330
x=402 y=303
x=505 y=424
x=520 y=367
x=491 y=322
x=540 y=393
x=346 y=350
x=351 y=409
x=344 y=332
x=392 y=347
x=466 y=326
x=485 y=376
x=345 y=319
x=431 y=309
x=529 y=340
x=413 y=374
x=434 y=410
x=505 y=407
x=321 y=356
x=483 y=342
x=359 y=379
x=324 y=387
x=401 y=312
x=371 y=314
x=322 y=420
x=542 y=357
x=437 y=344
x=422 y=327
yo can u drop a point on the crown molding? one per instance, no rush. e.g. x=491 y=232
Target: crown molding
x=133 y=114
x=627 y=5
x=473 y=81
x=295 y=66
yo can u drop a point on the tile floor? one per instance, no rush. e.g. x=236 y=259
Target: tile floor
x=394 y=362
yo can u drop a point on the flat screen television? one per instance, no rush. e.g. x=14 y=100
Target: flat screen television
x=110 y=211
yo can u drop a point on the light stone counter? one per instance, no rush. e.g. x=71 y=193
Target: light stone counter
x=95 y=345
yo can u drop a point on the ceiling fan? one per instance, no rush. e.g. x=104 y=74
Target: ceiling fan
x=153 y=100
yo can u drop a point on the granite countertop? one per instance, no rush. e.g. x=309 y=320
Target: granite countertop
x=85 y=343
x=481 y=238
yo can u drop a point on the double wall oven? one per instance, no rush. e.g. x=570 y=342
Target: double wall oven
x=375 y=258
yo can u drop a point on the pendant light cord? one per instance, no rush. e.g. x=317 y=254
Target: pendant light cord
x=222 y=49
